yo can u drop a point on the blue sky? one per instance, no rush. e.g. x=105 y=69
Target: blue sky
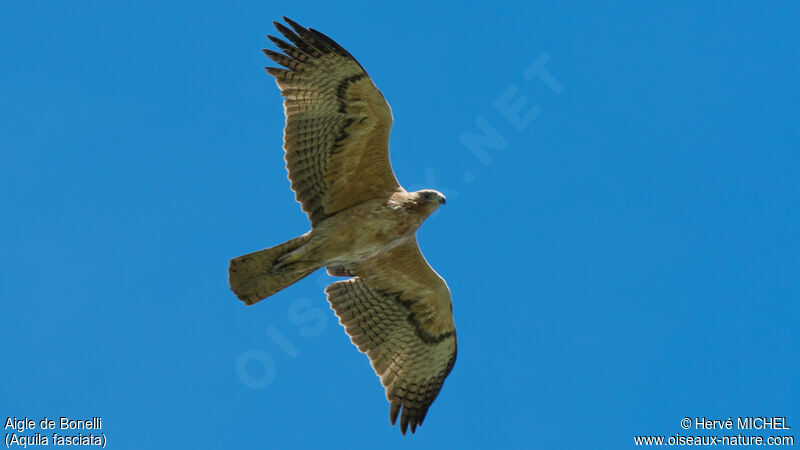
x=623 y=259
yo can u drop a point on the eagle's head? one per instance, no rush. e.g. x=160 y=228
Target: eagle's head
x=429 y=200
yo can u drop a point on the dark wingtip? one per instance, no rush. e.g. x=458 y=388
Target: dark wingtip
x=393 y=410
x=276 y=72
x=404 y=421
x=292 y=23
x=283 y=29
x=273 y=55
x=276 y=40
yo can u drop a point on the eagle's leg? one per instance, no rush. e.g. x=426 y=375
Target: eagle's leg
x=339 y=271
x=307 y=254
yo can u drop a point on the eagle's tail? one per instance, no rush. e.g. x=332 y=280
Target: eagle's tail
x=256 y=276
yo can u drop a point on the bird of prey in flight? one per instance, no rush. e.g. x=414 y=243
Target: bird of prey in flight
x=394 y=306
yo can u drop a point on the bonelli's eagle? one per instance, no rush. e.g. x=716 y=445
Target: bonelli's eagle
x=394 y=306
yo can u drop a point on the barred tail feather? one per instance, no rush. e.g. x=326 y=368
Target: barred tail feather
x=256 y=276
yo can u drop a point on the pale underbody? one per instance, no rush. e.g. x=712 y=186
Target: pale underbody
x=345 y=239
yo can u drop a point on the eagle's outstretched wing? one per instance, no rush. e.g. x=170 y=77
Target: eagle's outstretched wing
x=337 y=124
x=398 y=311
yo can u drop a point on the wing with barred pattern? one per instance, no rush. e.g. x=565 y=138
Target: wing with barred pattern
x=398 y=311
x=336 y=137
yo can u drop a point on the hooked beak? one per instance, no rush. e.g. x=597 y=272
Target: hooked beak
x=442 y=200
